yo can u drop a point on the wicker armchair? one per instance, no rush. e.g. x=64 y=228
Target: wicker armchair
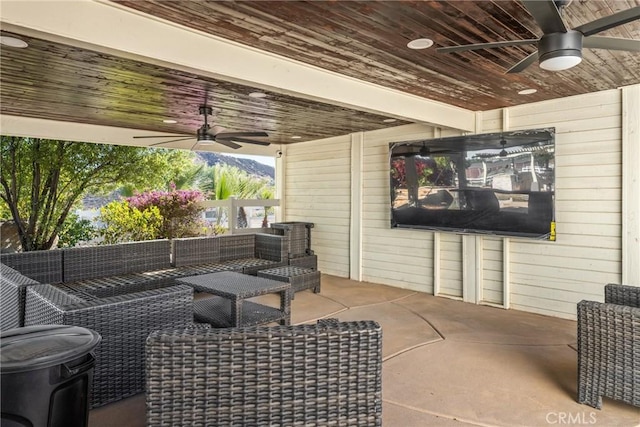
x=324 y=374
x=609 y=347
x=124 y=320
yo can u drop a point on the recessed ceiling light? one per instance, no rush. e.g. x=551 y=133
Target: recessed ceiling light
x=296 y=137
x=420 y=44
x=527 y=91
x=389 y=120
x=257 y=95
x=13 y=42
x=169 y=121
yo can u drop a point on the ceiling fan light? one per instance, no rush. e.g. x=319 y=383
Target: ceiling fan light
x=203 y=137
x=560 y=51
x=560 y=60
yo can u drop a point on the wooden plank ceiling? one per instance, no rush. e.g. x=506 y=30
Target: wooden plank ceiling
x=362 y=39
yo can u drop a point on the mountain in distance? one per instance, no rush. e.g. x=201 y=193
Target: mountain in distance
x=249 y=166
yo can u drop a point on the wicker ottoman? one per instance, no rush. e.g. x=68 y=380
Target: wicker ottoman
x=300 y=278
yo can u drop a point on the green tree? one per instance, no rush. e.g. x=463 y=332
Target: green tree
x=41 y=180
x=267 y=192
x=75 y=230
x=125 y=223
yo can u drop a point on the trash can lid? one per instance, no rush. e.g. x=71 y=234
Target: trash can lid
x=43 y=346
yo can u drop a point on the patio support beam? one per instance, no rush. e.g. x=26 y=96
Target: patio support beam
x=281 y=179
x=506 y=241
x=506 y=273
x=631 y=185
x=111 y=28
x=355 y=226
x=436 y=263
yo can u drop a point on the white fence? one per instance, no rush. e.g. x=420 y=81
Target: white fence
x=231 y=213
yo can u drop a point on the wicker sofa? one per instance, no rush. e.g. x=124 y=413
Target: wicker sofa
x=142 y=264
x=123 y=292
x=311 y=375
x=609 y=347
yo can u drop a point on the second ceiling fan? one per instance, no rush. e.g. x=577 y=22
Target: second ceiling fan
x=206 y=135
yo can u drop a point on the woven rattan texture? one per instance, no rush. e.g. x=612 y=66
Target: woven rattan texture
x=216 y=311
x=608 y=353
x=304 y=375
x=237 y=246
x=41 y=266
x=271 y=247
x=13 y=289
x=299 y=236
x=9 y=304
x=92 y=262
x=123 y=321
x=230 y=284
x=299 y=278
x=622 y=295
x=307 y=261
x=146 y=256
x=195 y=250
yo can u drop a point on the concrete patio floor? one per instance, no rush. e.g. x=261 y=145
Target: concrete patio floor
x=449 y=363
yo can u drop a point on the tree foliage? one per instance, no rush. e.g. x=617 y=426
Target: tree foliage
x=41 y=180
x=75 y=230
x=153 y=215
x=125 y=223
x=180 y=210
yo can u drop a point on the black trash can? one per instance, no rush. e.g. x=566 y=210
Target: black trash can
x=46 y=375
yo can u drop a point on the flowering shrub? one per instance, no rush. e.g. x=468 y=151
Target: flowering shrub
x=180 y=210
x=125 y=223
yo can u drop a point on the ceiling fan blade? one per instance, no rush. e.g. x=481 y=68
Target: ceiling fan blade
x=245 y=140
x=611 y=43
x=216 y=129
x=484 y=45
x=546 y=15
x=610 y=21
x=173 y=140
x=524 y=63
x=229 y=144
x=159 y=136
x=228 y=135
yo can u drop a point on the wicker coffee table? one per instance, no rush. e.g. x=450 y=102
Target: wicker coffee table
x=229 y=308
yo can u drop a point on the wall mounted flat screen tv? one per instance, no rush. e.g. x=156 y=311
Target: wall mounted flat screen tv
x=498 y=183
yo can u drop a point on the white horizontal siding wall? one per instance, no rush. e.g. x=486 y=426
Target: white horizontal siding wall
x=538 y=276
x=551 y=277
x=318 y=189
x=396 y=257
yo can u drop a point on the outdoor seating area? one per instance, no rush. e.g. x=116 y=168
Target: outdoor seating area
x=126 y=291
x=444 y=362
x=188 y=335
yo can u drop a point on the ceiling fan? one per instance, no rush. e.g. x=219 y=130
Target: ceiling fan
x=206 y=135
x=560 y=48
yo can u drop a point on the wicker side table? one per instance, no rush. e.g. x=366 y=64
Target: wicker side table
x=300 y=278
